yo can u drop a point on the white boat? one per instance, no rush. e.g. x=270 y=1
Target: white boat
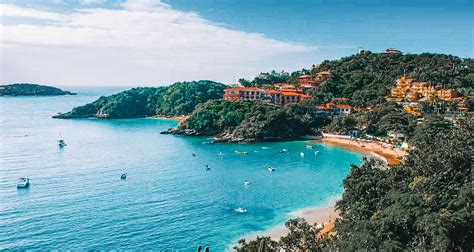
x=23 y=182
x=246 y=182
x=316 y=152
x=240 y=210
x=302 y=154
x=270 y=168
x=220 y=153
x=309 y=146
x=61 y=141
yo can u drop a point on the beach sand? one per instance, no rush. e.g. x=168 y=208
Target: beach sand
x=174 y=118
x=389 y=156
x=321 y=215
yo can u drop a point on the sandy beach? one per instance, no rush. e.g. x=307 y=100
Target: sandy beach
x=390 y=156
x=325 y=215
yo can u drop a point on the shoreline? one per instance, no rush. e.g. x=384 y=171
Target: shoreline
x=324 y=214
x=174 y=118
x=389 y=156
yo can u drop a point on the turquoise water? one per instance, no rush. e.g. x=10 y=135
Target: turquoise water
x=168 y=201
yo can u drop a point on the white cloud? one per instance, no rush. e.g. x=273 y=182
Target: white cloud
x=87 y=2
x=144 y=42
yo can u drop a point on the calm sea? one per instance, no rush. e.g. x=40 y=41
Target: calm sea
x=169 y=200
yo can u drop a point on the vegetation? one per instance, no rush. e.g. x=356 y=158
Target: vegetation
x=26 y=89
x=251 y=121
x=425 y=203
x=178 y=99
x=366 y=78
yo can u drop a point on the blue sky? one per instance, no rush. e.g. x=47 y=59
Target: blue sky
x=251 y=36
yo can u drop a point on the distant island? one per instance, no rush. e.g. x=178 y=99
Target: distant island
x=26 y=89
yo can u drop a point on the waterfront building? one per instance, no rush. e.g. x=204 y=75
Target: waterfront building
x=247 y=93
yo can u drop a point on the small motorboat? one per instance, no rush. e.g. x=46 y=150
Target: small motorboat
x=208 y=168
x=220 y=153
x=124 y=176
x=309 y=146
x=283 y=151
x=265 y=148
x=241 y=152
x=246 y=182
x=23 y=182
x=316 y=152
x=302 y=154
x=60 y=141
x=270 y=168
x=240 y=210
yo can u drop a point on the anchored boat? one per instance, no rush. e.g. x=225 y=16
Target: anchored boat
x=23 y=182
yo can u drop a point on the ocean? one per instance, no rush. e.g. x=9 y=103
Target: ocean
x=169 y=201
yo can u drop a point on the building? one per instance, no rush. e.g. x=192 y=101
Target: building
x=407 y=90
x=247 y=93
x=338 y=109
x=305 y=79
x=392 y=51
x=322 y=76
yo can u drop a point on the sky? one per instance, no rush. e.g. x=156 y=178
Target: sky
x=153 y=42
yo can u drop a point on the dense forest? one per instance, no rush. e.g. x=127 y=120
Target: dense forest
x=366 y=78
x=178 y=99
x=251 y=121
x=425 y=203
x=26 y=89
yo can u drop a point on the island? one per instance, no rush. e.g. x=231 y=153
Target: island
x=26 y=89
x=175 y=100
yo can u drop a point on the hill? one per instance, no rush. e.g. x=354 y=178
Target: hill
x=175 y=100
x=26 y=89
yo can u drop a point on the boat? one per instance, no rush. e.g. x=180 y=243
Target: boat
x=241 y=152
x=61 y=141
x=23 y=182
x=240 y=210
x=194 y=155
x=246 y=182
x=316 y=152
x=124 y=176
x=309 y=146
x=208 y=168
x=302 y=154
x=270 y=168
x=283 y=151
x=220 y=153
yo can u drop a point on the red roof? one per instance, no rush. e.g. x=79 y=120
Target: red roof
x=290 y=93
x=343 y=106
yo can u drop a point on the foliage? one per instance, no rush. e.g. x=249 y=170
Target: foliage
x=424 y=203
x=342 y=124
x=178 y=99
x=252 y=121
x=366 y=78
x=26 y=89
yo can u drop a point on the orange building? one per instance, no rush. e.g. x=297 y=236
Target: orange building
x=407 y=90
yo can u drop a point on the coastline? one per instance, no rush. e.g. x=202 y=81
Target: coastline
x=174 y=118
x=324 y=214
x=389 y=156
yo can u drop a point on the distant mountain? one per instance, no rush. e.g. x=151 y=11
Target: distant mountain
x=26 y=89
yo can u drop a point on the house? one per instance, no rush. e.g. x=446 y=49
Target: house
x=406 y=89
x=338 y=109
x=305 y=79
x=392 y=51
x=247 y=93
x=322 y=76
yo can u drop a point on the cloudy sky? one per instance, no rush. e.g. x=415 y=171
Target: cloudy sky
x=152 y=42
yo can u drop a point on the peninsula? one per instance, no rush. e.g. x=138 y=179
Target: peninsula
x=26 y=89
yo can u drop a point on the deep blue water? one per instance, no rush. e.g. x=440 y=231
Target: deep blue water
x=168 y=201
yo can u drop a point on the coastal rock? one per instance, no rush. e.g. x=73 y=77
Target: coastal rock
x=26 y=89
